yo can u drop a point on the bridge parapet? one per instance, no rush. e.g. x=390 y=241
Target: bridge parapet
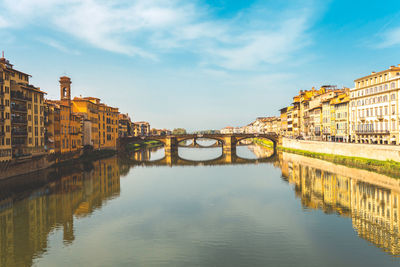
x=229 y=141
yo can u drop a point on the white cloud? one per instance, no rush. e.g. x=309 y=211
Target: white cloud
x=149 y=28
x=3 y=22
x=58 y=45
x=390 y=38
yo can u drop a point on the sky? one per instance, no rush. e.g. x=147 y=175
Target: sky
x=200 y=64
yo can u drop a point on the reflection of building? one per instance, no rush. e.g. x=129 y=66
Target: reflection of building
x=374 y=210
x=26 y=224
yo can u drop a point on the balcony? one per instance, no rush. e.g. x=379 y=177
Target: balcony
x=19 y=96
x=379 y=116
x=18 y=141
x=17 y=133
x=366 y=131
x=19 y=121
x=19 y=108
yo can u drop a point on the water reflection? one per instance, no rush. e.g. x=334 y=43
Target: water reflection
x=371 y=200
x=34 y=206
x=228 y=214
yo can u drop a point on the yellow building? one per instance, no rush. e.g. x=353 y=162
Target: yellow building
x=100 y=122
x=108 y=126
x=21 y=114
x=284 y=122
x=340 y=118
x=52 y=126
x=124 y=125
x=89 y=111
x=374 y=108
x=64 y=127
x=141 y=128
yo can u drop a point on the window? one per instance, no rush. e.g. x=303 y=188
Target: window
x=392 y=85
x=393 y=109
x=392 y=97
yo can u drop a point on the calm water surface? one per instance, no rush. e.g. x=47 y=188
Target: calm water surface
x=152 y=210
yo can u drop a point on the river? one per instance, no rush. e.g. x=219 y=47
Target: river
x=201 y=209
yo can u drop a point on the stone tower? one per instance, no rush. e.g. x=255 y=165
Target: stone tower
x=65 y=89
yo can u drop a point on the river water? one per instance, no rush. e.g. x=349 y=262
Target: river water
x=201 y=209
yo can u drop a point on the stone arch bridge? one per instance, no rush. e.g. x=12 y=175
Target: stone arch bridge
x=172 y=142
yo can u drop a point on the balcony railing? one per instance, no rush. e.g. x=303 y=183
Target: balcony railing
x=18 y=108
x=18 y=141
x=19 y=133
x=19 y=121
x=20 y=96
x=366 y=131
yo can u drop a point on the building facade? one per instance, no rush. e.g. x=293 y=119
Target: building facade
x=21 y=114
x=374 y=108
x=141 y=128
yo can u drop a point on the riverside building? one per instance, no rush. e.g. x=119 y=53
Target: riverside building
x=21 y=114
x=374 y=108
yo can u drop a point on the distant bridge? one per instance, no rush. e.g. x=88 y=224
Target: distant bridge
x=228 y=141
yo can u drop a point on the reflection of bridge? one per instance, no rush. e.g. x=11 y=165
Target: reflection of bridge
x=228 y=141
x=173 y=159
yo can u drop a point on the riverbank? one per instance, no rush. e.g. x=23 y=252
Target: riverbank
x=387 y=167
x=10 y=169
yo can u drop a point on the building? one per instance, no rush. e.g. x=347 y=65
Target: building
x=374 y=108
x=141 y=128
x=21 y=114
x=160 y=132
x=340 y=118
x=63 y=126
x=284 y=122
x=227 y=130
x=124 y=125
x=100 y=122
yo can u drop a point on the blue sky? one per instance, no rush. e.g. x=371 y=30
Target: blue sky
x=201 y=64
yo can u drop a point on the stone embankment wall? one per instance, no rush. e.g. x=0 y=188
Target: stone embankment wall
x=378 y=152
x=19 y=167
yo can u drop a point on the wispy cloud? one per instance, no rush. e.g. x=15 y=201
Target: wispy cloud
x=390 y=38
x=58 y=45
x=151 y=28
